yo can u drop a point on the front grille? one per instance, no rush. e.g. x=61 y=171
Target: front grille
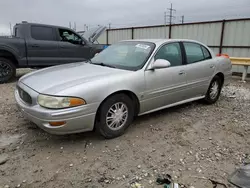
x=24 y=96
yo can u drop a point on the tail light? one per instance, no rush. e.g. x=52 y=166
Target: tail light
x=224 y=55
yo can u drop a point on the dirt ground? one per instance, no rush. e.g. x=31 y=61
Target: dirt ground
x=191 y=142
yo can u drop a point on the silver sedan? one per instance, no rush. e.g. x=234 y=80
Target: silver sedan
x=127 y=79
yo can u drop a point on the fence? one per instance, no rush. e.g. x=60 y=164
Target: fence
x=222 y=36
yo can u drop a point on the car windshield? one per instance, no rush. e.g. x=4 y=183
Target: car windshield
x=129 y=55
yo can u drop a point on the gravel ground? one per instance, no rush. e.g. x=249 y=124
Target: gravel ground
x=191 y=142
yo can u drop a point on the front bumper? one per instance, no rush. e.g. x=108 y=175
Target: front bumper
x=78 y=119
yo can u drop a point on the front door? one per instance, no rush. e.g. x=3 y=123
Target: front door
x=200 y=68
x=167 y=85
x=71 y=48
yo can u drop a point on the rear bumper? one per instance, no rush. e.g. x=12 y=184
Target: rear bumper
x=78 y=119
x=227 y=78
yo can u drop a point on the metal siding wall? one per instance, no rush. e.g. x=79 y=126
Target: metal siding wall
x=237 y=33
x=151 y=33
x=103 y=38
x=237 y=52
x=208 y=33
x=118 y=35
x=215 y=50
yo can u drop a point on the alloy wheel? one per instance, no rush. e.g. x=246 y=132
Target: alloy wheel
x=214 y=90
x=5 y=69
x=117 y=116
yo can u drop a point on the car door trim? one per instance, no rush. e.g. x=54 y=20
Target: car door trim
x=173 y=104
x=169 y=90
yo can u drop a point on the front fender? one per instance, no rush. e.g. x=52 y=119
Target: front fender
x=98 y=90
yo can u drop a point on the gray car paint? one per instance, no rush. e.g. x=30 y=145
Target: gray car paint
x=29 y=52
x=155 y=89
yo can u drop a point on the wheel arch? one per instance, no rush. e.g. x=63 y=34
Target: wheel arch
x=129 y=93
x=9 y=55
x=221 y=75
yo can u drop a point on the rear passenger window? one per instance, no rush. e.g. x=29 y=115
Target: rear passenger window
x=194 y=52
x=42 y=33
x=170 y=52
x=206 y=53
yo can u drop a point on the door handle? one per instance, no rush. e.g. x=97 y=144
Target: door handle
x=212 y=66
x=35 y=45
x=62 y=46
x=181 y=72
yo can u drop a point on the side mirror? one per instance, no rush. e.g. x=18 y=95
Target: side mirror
x=82 y=42
x=160 y=64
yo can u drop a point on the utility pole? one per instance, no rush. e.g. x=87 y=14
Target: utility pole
x=165 y=23
x=171 y=10
x=75 y=26
x=70 y=25
x=109 y=25
x=182 y=19
x=10 y=29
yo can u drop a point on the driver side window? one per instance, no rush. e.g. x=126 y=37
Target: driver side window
x=69 y=36
x=170 y=52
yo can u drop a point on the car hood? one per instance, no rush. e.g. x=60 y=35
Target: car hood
x=93 y=34
x=55 y=79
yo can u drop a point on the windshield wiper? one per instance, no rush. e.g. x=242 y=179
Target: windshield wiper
x=104 y=65
x=89 y=61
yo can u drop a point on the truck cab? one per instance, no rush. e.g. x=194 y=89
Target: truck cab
x=51 y=45
x=40 y=45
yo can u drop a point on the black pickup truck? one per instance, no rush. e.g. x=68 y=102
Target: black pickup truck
x=37 y=45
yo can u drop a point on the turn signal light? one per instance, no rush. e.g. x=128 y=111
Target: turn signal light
x=76 y=102
x=57 y=123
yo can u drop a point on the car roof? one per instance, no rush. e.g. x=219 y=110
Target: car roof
x=40 y=24
x=161 y=41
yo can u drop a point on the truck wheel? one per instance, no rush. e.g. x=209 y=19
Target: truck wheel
x=7 y=70
x=114 y=116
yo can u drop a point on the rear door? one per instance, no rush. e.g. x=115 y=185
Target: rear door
x=71 y=47
x=200 y=68
x=166 y=86
x=42 y=46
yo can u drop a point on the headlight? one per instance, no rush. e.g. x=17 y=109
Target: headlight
x=59 y=102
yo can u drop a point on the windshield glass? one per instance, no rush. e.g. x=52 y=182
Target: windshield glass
x=130 y=55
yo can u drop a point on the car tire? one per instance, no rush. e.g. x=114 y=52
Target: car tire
x=7 y=70
x=115 y=108
x=214 y=90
